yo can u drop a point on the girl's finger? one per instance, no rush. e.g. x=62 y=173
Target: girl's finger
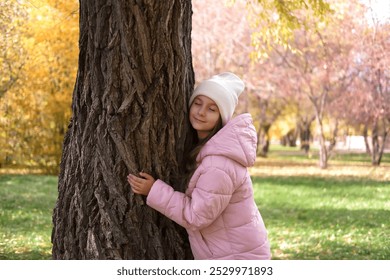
x=130 y=181
x=134 y=180
x=135 y=183
x=145 y=175
x=135 y=190
x=137 y=179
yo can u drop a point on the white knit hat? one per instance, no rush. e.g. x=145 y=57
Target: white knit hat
x=224 y=89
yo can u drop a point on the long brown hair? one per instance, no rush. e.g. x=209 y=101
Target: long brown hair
x=191 y=164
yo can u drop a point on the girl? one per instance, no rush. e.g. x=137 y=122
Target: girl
x=218 y=208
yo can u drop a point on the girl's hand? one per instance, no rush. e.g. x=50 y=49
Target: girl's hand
x=142 y=184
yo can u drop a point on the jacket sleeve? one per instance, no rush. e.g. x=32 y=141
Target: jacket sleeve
x=209 y=198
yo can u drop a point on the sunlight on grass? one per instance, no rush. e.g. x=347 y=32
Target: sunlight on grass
x=266 y=167
x=288 y=161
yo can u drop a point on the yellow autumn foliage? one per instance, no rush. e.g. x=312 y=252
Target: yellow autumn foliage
x=36 y=109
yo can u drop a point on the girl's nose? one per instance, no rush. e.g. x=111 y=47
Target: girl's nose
x=201 y=111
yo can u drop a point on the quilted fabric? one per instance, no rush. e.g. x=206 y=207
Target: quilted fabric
x=218 y=209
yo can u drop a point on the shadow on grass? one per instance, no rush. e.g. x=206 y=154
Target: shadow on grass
x=323 y=218
x=328 y=234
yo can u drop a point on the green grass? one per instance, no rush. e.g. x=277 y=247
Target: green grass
x=325 y=218
x=339 y=213
x=26 y=205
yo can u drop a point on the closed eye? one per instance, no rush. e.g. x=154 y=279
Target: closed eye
x=213 y=108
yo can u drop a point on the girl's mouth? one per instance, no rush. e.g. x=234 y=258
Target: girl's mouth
x=198 y=120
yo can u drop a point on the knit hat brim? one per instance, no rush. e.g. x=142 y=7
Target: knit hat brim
x=224 y=89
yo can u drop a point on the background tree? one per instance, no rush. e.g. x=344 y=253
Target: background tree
x=35 y=111
x=220 y=38
x=12 y=59
x=267 y=101
x=222 y=42
x=320 y=59
x=12 y=49
x=275 y=21
x=368 y=96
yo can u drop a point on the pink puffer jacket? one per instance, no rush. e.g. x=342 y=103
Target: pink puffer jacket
x=218 y=208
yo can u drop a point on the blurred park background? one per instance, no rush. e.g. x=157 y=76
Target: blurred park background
x=318 y=87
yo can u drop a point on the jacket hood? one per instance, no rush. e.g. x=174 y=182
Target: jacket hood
x=237 y=140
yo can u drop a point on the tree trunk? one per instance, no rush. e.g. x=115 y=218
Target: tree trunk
x=305 y=133
x=333 y=140
x=375 y=145
x=365 y=134
x=290 y=139
x=129 y=114
x=378 y=141
x=263 y=140
x=323 y=153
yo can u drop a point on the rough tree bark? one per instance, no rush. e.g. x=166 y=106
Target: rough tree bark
x=129 y=114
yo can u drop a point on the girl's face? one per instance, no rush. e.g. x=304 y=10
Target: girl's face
x=204 y=115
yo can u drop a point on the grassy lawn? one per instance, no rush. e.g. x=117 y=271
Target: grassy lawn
x=319 y=218
x=338 y=213
x=26 y=205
